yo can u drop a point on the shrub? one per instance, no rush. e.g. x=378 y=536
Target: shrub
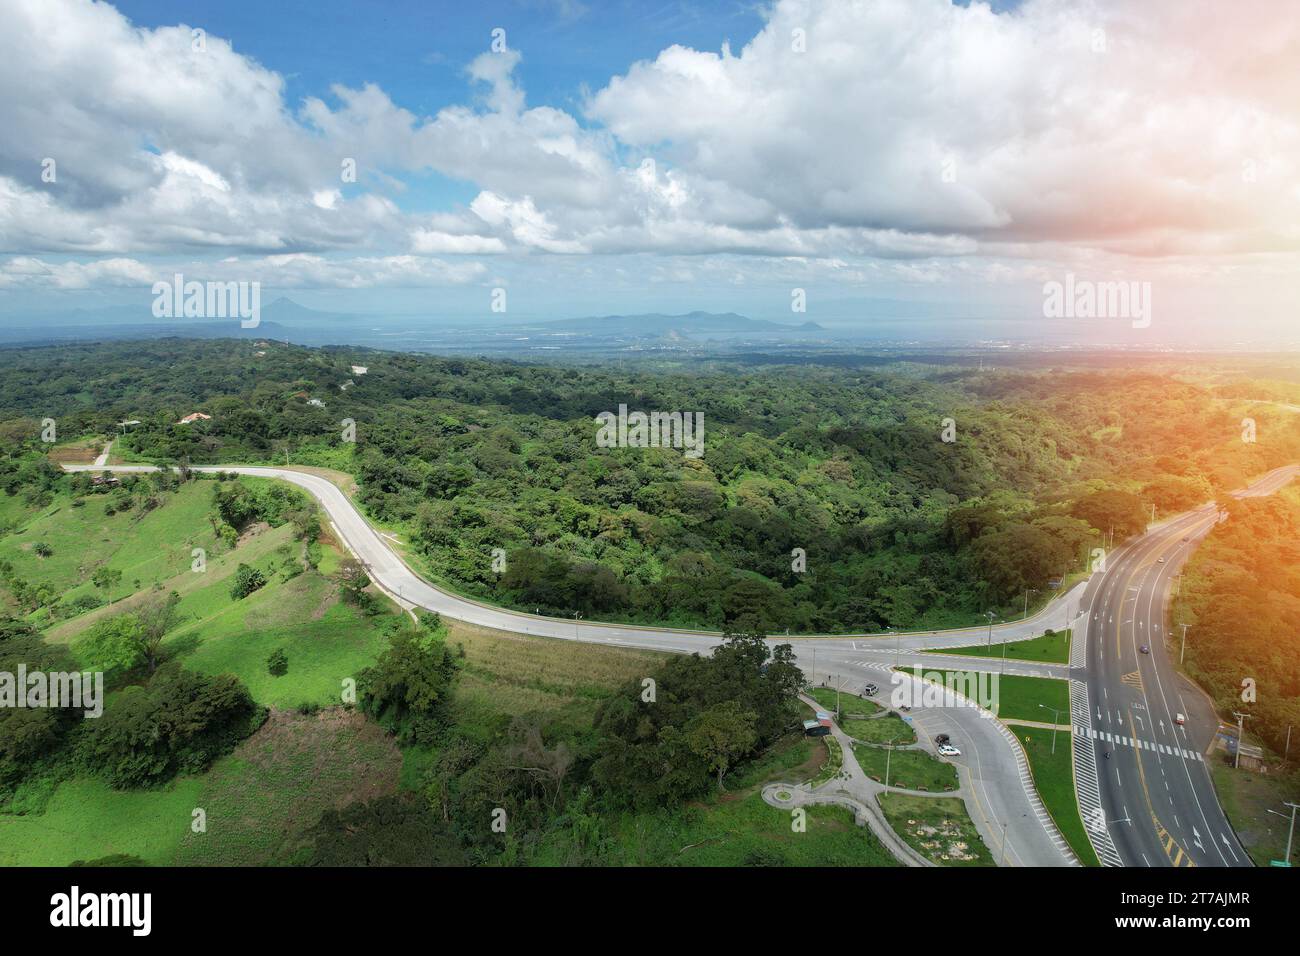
x=247 y=580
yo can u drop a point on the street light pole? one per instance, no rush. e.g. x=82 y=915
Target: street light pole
x=991 y=616
x=1056 y=719
x=1003 y=858
x=1183 y=650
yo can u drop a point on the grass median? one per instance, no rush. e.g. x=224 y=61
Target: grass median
x=1054 y=779
x=1052 y=648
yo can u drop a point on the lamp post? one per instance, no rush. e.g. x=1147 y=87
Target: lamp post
x=889 y=753
x=1056 y=719
x=1028 y=591
x=1183 y=648
x=990 y=615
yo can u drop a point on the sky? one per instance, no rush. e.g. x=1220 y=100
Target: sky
x=602 y=157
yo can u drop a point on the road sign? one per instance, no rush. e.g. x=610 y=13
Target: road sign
x=1278 y=863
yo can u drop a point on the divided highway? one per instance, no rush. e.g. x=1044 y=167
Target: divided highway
x=1157 y=801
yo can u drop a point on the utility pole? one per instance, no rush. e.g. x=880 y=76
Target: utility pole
x=1003 y=858
x=1286 y=860
x=1288 y=743
x=1183 y=650
x=991 y=616
x=1291 y=832
x=1241 y=732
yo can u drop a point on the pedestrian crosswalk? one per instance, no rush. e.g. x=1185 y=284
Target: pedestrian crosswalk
x=1120 y=740
x=1087 y=786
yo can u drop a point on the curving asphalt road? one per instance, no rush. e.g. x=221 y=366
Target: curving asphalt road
x=1157 y=800
x=1003 y=802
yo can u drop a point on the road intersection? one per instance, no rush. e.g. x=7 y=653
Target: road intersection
x=1156 y=772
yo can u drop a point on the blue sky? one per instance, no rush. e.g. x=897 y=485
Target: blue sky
x=625 y=157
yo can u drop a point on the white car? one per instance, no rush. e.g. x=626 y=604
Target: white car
x=1179 y=719
x=948 y=750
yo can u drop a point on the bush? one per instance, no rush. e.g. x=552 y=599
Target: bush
x=247 y=580
x=277 y=665
x=179 y=722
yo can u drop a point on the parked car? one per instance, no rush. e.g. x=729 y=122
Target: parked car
x=948 y=750
x=1144 y=649
x=870 y=690
x=1179 y=719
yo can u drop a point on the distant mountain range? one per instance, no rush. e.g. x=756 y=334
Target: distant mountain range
x=656 y=323
x=287 y=320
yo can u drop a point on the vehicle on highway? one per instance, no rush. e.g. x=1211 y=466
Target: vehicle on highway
x=1144 y=649
x=1179 y=719
x=1160 y=560
x=948 y=750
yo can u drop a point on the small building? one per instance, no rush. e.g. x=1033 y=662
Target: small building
x=105 y=480
x=193 y=417
x=815 y=728
x=316 y=401
x=359 y=370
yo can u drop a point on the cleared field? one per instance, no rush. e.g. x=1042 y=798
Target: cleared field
x=261 y=798
x=509 y=673
x=939 y=828
x=258 y=801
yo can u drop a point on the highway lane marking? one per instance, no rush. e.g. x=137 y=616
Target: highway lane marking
x=1163 y=836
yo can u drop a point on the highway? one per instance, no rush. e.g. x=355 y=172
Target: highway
x=1155 y=795
x=1158 y=805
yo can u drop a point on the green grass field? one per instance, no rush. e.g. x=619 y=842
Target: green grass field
x=1054 y=780
x=908 y=769
x=852 y=703
x=144 y=546
x=939 y=828
x=1021 y=698
x=1052 y=648
x=880 y=730
x=1247 y=797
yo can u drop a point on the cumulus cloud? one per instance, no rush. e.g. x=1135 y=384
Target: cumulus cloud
x=844 y=131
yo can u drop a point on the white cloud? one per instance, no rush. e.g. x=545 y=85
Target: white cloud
x=907 y=129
